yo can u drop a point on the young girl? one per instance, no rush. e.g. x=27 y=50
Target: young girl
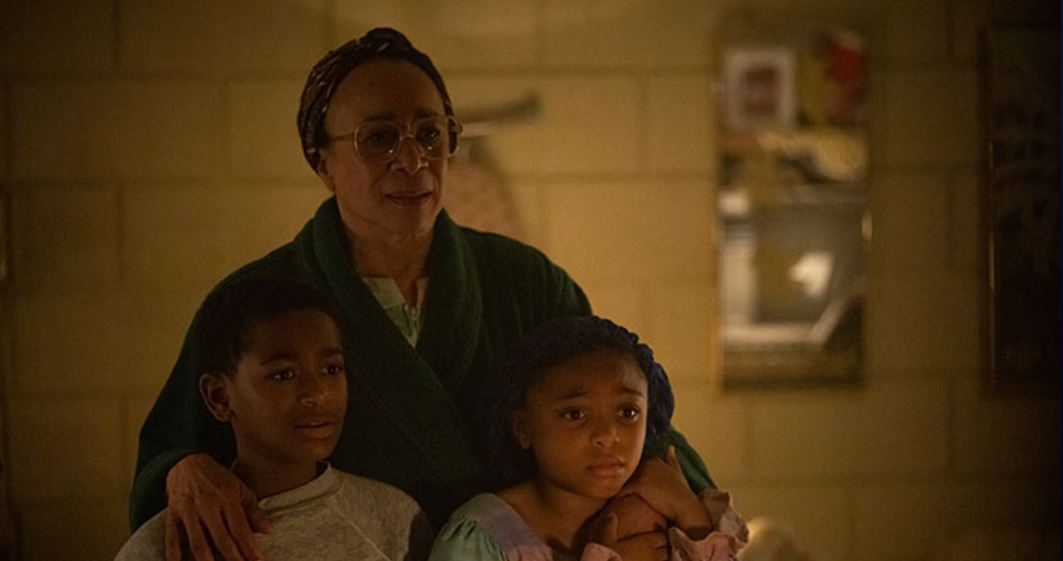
x=580 y=401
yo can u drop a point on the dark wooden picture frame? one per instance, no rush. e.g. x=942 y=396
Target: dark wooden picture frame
x=1021 y=205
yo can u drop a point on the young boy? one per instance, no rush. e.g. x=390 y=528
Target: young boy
x=273 y=370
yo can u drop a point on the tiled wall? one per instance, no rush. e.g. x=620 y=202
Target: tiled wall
x=147 y=147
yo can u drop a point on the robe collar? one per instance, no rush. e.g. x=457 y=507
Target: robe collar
x=411 y=386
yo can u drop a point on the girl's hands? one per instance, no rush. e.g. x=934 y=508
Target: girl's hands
x=651 y=546
x=662 y=485
x=202 y=495
x=718 y=547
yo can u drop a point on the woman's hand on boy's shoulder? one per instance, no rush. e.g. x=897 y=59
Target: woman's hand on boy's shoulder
x=203 y=495
x=662 y=485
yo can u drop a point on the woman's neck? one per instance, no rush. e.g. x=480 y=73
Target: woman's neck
x=555 y=515
x=400 y=258
x=269 y=480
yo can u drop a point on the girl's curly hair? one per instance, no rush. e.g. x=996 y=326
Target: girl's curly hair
x=550 y=344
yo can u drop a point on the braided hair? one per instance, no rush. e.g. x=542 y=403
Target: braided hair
x=325 y=77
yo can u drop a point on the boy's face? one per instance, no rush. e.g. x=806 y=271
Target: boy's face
x=288 y=397
x=585 y=421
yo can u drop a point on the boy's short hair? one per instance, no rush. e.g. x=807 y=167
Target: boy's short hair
x=229 y=311
x=550 y=344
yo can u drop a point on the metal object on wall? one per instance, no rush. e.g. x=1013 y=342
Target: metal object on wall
x=477 y=195
x=480 y=123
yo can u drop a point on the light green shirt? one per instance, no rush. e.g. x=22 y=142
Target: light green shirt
x=406 y=317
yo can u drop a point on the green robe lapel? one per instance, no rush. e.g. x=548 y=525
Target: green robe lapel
x=413 y=395
x=453 y=307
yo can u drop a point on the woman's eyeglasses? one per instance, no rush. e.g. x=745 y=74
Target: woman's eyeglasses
x=379 y=141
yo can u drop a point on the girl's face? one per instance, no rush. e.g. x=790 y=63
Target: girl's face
x=585 y=422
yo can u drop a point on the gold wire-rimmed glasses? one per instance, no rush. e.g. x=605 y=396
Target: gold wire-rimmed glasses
x=378 y=141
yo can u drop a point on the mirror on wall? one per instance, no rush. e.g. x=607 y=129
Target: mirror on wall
x=792 y=206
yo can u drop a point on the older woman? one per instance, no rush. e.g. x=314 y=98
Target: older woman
x=428 y=306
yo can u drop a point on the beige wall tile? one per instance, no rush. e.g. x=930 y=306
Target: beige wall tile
x=81 y=529
x=56 y=36
x=120 y=342
x=264 y=140
x=643 y=232
x=477 y=99
x=681 y=315
x=914 y=510
x=679 y=123
x=495 y=109
x=194 y=236
x=997 y=434
x=968 y=19
x=623 y=303
x=67 y=328
x=717 y=428
x=933 y=513
x=583 y=124
x=158 y=322
x=1032 y=502
x=924 y=117
x=911 y=214
x=1021 y=543
x=174 y=237
x=65 y=236
x=923 y=323
x=456 y=35
x=588 y=125
x=787 y=11
x=204 y=36
x=912 y=32
x=261 y=219
x=967 y=244
x=815 y=516
x=630 y=33
x=250 y=38
x=171 y=35
x=64 y=447
x=888 y=428
x=115 y=129
x=530 y=219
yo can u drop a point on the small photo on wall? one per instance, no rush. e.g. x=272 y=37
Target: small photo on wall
x=759 y=90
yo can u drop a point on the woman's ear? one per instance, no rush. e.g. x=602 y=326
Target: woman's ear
x=518 y=425
x=214 y=388
x=323 y=171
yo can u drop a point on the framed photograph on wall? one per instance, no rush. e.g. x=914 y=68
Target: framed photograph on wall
x=1021 y=202
x=759 y=88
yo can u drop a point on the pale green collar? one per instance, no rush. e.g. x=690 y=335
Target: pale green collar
x=405 y=317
